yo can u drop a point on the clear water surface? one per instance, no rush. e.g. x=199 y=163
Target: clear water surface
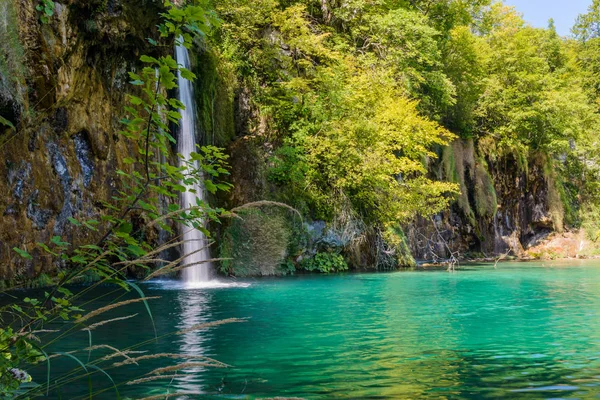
x=522 y=331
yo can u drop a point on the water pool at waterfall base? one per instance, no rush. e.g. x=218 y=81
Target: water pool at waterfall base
x=521 y=331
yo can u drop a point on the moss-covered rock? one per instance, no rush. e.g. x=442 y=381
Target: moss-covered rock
x=61 y=160
x=508 y=202
x=257 y=242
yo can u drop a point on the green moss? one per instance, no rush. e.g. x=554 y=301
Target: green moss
x=556 y=206
x=89 y=277
x=258 y=242
x=590 y=216
x=12 y=59
x=454 y=159
x=215 y=86
x=486 y=199
x=396 y=240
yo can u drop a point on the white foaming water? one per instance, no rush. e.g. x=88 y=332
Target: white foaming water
x=195 y=242
x=213 y=284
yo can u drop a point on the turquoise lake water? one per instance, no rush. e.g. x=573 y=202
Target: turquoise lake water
x=522 y=331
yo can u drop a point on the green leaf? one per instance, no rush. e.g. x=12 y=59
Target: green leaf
x=167 y=78
x=148 y=59
x=74 y=221
x=125 y=227
x=58 y=241
x=23 y=253
x=169 y=62
x=135 y=100
x=4 y=121
x=211 y=187
x=46 y=248
x=187 y=74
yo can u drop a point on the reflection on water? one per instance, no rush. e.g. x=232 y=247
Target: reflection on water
x=194 y=309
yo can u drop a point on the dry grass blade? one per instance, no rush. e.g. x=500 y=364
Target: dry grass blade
x=141 y=261
x=230 y=214
x=167 y=395
x=210 y=325
x=97 y=324
x=37 y=331
x=170 y=245
x=112 y=306
x=161 y=270
x=184 y=365
x=165 y=270
x=60 y=355
x=151 y=378
x=32 y=335
x=148 y=257
x=116 y=352
x=168 y=355
x=127 y=352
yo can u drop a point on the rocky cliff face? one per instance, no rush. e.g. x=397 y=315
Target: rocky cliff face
x=66 y=101
x=507 y=206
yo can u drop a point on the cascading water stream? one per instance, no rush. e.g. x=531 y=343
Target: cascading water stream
x=194 y=246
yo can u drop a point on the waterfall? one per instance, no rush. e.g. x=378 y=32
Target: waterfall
x=194 y=240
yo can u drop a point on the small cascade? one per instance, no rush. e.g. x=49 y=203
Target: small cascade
x=195 y=241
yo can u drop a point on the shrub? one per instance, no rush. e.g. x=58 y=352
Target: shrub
x=325 y=263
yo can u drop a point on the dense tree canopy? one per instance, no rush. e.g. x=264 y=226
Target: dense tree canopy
x=361 y=93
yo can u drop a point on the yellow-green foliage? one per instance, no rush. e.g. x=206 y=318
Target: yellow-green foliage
x=256 y=243
x=369 y=144
x=348 y=115
x=533 y=98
